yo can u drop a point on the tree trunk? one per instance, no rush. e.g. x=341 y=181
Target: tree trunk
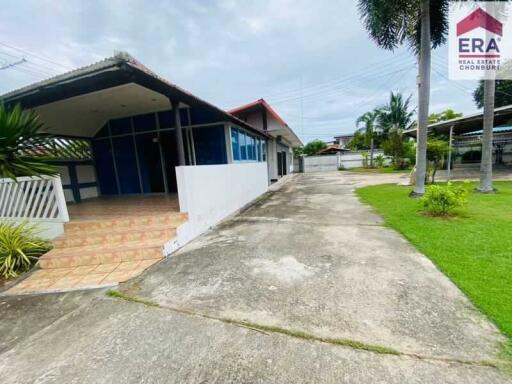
x=371 y=152
x=423 y=99
x=486 y=162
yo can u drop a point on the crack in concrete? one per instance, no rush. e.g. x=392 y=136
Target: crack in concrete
x=267 y=330
x=255 y=219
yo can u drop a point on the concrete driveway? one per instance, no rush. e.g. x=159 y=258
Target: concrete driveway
x=304 y=286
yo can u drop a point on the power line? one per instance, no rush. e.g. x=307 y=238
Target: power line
x=39 y=56
x=12 y=64
x=341 y=88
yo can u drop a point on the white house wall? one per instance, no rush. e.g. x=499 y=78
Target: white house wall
x=210 y=193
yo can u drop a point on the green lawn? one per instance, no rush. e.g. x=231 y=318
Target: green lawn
x=376 y=170
x=473 y=249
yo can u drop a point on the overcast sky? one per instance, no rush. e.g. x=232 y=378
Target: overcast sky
x=311 y=60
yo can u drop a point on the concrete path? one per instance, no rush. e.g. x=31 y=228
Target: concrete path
x=249 y=301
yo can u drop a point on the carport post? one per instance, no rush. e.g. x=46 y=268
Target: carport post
x=449 y=173
x=179 y=134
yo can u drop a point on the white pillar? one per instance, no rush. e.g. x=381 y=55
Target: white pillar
x=449 y=173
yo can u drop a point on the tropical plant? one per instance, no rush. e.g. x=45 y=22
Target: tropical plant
x=396 y=114
x=369 y=128
x=423 y=25
x=441 y=200
x=313 y=147
x=379 y=160
x=23 y=145
x=365 y=156
x=20 y=248
x=437 y=149
x=394 y=118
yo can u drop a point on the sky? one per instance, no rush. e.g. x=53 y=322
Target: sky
x=311 y=60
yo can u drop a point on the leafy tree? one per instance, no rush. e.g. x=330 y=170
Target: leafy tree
x=298 y=151
x=503 y=96
x=423 y=25
x=369 y=128
x=23 y=145
x=358 y=142
x=313 y=147
x=437 y=149
x=447 y=114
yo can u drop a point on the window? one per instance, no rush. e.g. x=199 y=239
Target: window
x=246 y=147
x=235 y=144
x=264 y=150
x=249 y=146
x=243 y=146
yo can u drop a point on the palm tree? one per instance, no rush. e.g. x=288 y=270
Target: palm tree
x=23 y=146
x=394 y=118
x=423 y=25
x=488 y=123
x=396 y=114
x=369 y=129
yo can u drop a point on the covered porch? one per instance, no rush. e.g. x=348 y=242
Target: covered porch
x=465 y=137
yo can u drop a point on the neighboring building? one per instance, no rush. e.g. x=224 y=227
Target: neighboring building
x=468 y=146
x=343 y=140
x=279 y=151
x=466 y=133
x=332 y=149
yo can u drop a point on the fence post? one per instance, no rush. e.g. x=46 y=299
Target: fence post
x=61 y=199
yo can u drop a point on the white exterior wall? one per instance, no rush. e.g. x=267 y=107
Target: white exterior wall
x=327 y=163
x=210 y=193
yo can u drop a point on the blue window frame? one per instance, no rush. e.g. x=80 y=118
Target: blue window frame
x=235 y=143
x=249 y=146
x=264 y=150
x=243 y=146
x=246 y=147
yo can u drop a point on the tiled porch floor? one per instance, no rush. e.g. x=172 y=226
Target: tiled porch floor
x=107 y=241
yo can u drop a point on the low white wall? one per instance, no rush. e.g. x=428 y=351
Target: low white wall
x=355 y=159
x=210 y=193
x=323 y=163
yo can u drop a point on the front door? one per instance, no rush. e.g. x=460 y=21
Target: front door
x=150 y=162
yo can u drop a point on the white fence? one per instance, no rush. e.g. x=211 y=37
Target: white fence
x=210 y=193
x=345 y=160
x=34 y=199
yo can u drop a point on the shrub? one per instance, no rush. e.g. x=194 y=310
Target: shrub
x=441 y=200
x=379 y=160
x=401 y=163
x=365 y=161
x=20 y=248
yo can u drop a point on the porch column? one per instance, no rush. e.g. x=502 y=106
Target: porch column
x=179 y=134
x=449 y=171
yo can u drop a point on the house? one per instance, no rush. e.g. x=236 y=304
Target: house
x=145 y=165
x=282 y=140
x=332 y=149
x=343 y=140
x=466 y=137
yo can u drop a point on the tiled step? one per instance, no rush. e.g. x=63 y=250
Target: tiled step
x=82 y=277
x=103 y=254
x=114 y=236
x=94 y=223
